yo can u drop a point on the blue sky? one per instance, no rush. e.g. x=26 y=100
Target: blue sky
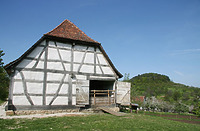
x=139 y=36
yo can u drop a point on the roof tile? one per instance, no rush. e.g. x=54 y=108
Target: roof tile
x=70 y=31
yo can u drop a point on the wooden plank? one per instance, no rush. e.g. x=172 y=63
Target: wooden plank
x=101 y=93
x=111 y=111
x=101 y=101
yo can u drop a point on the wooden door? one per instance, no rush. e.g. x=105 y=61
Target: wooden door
x=123 y=93
x=82 y=92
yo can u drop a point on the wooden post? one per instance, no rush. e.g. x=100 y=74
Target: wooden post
x=94 y=98
x=114 y=99
x=108 y=97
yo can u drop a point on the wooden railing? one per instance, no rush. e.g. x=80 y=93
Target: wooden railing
x=102 y=97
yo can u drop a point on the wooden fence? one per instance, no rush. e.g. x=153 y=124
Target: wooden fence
x=102 y=97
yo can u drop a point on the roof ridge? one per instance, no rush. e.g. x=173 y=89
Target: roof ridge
x=57 y=26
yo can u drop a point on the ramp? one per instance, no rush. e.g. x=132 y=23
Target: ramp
x=2 y=109
x=105 y=109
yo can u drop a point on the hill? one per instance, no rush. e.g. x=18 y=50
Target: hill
x=160 y=86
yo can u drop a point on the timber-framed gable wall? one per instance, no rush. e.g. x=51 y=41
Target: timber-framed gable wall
x=49 y=70
x=55 y=72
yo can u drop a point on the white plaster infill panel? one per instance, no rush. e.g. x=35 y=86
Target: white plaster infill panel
x=66 y=78
x=20 y=100
x=37 y=100
x=18 y=87
x=73 y=100
x=55 y=65
x=74 y=89
x=48 y=99
x=91 y=48
x=67 y=66
x=89 y=58
x=26 y=63
x=75 y=67
x=40 y=65
x=81 y=77
x=98 y=70
x=53 y=54
x=17 y=75
x=31 y=75
x=65 y=55
x=52 y=44
x=78 y=56
x=98 y=50
x=60 y=100
x=43 y=43
x=35 y=88
x=87 y=69
x=64 y=45
x=54 y=76
x=80 y=47
x=107 y=70
x=51 y=88
x=36 y=52
x=64 y=89
x=102 y=59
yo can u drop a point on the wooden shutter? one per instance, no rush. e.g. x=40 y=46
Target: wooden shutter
x=123 y=93
x=82 y=92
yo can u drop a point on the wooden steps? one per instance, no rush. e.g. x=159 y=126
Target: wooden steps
x=105 y=109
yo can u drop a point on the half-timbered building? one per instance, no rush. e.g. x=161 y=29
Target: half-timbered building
x=65 y=69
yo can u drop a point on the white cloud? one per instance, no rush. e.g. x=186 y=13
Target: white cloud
x=187 y=51
x=179 y=73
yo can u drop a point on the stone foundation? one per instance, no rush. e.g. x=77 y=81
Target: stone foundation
x=31 y=112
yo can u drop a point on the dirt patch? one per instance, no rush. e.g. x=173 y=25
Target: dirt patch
x=176 y=116
x=186 y=121
x=180 y=118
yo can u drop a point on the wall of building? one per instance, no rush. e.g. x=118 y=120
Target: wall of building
x=48 y=75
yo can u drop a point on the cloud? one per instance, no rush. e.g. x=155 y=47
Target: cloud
x=179 y=73
x=187 y=51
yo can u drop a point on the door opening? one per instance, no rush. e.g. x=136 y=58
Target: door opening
x=102 y=93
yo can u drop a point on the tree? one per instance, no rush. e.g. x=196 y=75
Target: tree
x=126 y=77
x=1 y=60
x=180 y=107
x=197 y=110
x=4 y=79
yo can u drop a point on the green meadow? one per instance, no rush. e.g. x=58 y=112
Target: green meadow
x=98 y=122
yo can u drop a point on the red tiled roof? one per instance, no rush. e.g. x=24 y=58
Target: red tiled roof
x=70 y=31
x=138 y=98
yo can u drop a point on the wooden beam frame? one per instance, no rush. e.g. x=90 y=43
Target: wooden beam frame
x=45 y=73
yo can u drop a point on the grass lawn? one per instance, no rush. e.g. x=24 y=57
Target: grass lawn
x=97 y=122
